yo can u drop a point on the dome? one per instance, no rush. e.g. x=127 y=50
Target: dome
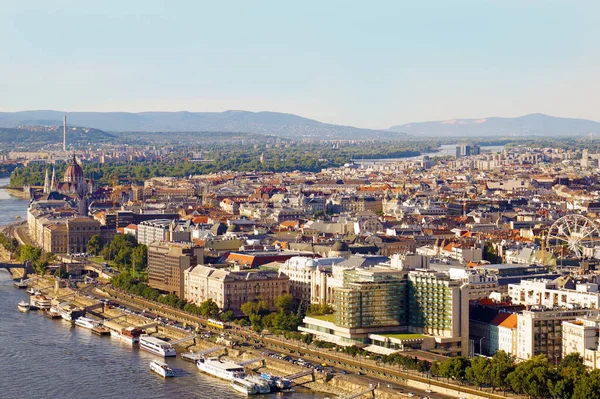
x=311 y=263
x=74 y=173
x=339 y=247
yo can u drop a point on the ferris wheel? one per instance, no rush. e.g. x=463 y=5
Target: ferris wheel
x=575 y=233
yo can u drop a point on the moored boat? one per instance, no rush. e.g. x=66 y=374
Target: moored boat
x=20 y=284
x=276 y=383
x=86 y=322
x=23 y=307
x=157 y=346
x=130 y=335
x=53 y=313
x=161 y=368
x=220 y=368
x=69 y=312
x=244 y=386
x=262 y=385
x=40 y=301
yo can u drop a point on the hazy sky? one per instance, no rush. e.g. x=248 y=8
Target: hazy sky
x=368 y=63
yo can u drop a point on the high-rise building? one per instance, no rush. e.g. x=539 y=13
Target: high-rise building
x=167 y=262
x=541 y=332
x=390 y=307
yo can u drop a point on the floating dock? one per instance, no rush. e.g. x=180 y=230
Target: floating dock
x=100 y=331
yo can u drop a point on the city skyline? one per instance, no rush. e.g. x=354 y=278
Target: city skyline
x=374 y=67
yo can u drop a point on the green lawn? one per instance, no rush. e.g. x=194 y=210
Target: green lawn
x=404 y=336
x=325 y=317
x=100 y=259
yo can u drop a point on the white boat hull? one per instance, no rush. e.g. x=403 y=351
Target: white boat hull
x=162 y=370
x=224 y=370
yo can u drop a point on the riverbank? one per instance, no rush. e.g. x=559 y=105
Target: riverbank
x=15 y=192
x=120 y=318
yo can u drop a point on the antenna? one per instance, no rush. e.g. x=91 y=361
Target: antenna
x=65 y=133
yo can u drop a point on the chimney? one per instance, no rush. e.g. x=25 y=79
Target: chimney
x=65 y=133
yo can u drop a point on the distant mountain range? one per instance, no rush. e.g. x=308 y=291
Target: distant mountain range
x=297 y=127
x=523 y=126
x=270 y=123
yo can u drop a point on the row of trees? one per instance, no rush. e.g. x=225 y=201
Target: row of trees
x=124 y=251
x=9 y=243
x=304 y=156
x=127 y=282
x=284 y=319
x=536 y=377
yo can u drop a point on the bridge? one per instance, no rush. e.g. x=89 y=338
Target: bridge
x=370 y=390
x=26 y=267
x=94 y=307
x=185 y=339
x=301 y=374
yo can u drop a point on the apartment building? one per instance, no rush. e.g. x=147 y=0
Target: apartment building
x=581 y=336
x=167 y=262
x=79 y=232
x=540 y=331
x=231 y=289
x=153 y=231
x=545 y=292
x=305 y=275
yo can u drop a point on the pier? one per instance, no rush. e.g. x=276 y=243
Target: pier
x=301 y=374
x=193 y=356
x=257 y=360
x=370 y=390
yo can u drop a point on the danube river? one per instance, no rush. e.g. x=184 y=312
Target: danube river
x=50 y=359
x=444 y=151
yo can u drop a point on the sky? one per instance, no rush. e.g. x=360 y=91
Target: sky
x=369 y=64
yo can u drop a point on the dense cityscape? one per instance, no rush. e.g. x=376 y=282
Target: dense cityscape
x=300 y=200
x=476 y=267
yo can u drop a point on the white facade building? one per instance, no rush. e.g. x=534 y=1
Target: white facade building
x=153 y=231
x=547 y=293
x=305 y=276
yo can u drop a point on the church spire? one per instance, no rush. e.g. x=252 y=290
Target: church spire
x=54 y=184
x=46 y=183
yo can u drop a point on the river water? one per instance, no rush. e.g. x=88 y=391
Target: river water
x=443 y=151
x=50 y=359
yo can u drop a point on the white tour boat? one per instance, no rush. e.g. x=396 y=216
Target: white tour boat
x=86 y=322
x=244 y=386
x=219 y=368
x=130 y=335
x=157 y=346
x=23 y=307
x=262 y=385
x=40 y=301
x=161 y=368
x=70 y=312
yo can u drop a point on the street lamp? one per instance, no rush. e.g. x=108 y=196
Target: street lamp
x=480 y=347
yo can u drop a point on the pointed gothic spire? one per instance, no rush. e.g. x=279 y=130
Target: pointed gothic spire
x=54 y=184
x=46 y=183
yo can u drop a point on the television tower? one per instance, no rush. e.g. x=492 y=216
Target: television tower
x=65 y=133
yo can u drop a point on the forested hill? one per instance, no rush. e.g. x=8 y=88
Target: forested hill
x=41 y=135
x=269 y=123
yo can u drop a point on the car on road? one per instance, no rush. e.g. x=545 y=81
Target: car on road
x=410 y=394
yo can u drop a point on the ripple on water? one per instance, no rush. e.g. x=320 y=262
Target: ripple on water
x=47 y=359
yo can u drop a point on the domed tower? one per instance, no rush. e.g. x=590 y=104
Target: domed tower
x=74 y=175
x=340 y=249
